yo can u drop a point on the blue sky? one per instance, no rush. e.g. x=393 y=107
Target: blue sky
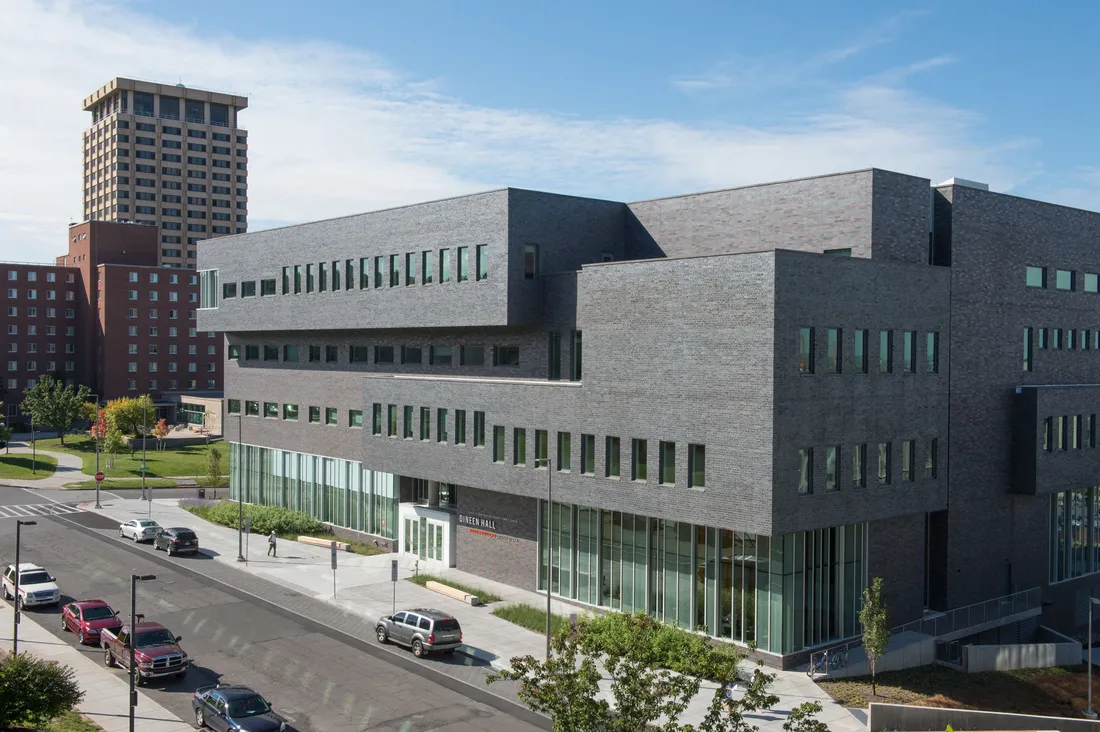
x=361 y=105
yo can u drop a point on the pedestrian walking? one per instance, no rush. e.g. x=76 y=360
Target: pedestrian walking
x=271 y=545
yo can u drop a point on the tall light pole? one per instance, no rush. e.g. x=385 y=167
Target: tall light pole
x=95 y=434
x=18 y=605
x=1088 y=710
x=144 y=427
x=34 y=448
x=240 y=489
x=549 y=538
x=134 y=579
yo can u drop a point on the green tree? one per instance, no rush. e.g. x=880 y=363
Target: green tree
x=49 y=402
x=802 y=719
x=876 y=630
x=5 y=435
x=113 y=444
x=133 y=416
x=33 y=691
x=214 y=466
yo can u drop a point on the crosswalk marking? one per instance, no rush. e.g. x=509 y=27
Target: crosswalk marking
x=37 y=509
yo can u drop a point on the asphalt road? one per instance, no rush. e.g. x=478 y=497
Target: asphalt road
x=319 y=681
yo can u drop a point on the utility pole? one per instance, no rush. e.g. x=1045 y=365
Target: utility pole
x=95 y=434
x=18 y=605
x=134 y=579
x=549 y=539
x=240 y=490
x=34 y=447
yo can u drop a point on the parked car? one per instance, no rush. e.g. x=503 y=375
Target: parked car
x=176 y=541
x=234 y=707
x=87 y=618
x=139 y=530
x=36 y=586
x=422 y=629
x=156 y=651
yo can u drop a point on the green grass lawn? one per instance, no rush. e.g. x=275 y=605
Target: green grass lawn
x=18 y=466
x=531 y=617
x=84 y=485
x=186 y=461
x=72 y=722
x=483 y=595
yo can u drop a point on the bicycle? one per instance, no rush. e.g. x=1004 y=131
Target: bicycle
x=821 y=665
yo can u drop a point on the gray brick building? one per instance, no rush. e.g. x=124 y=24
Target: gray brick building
x=745 y=402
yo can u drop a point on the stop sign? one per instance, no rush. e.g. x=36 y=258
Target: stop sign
x=99 y=477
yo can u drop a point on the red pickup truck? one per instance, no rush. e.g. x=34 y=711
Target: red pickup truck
x=156 y=651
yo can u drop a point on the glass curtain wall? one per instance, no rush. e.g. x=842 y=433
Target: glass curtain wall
x=340 y=492
x=1074 y=533
x=784 y=593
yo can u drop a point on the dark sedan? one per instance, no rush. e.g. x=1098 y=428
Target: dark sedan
x=232 y=707
x=176 y=540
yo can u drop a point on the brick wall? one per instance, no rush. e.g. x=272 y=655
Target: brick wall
x=507 y=554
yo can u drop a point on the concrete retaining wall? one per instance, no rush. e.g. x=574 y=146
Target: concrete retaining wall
x=886 y=717
x=977 y=659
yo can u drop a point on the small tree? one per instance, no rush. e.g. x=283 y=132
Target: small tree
x=49 y=402
x=161 y=431
x=5 y=436
x=33 y=691
x=113 y=444
x=132 y=416
x=99 y=426
x=876 y=631
x=801 y=719
x=214 y=466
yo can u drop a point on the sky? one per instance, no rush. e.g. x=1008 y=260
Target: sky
x=361 y=105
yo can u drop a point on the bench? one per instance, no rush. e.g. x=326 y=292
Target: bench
x=452 y=592
x=341 y=545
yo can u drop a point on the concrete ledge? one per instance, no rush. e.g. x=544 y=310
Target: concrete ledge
x=452 y=592
x=341 y=545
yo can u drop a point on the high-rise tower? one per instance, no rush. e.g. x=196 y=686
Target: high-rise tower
x=167 y=156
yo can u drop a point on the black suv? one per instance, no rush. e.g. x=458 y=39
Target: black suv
x=176 y=541
x=421 y=629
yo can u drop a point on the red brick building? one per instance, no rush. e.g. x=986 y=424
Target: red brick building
x=106 y=316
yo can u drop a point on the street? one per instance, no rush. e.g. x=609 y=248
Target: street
x=318 y=679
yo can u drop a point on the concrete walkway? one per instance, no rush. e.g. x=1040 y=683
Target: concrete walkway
x=363 y=588
x=106 y=693
x=68 y=469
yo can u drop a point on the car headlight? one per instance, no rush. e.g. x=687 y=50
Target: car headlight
x=282 y=727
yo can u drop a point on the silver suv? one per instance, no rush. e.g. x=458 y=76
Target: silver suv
x=422 y=629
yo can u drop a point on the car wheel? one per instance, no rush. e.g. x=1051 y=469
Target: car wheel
x=64 y=625
x=134 y=537
x=108 y=659
x=418 y=649
x=200 y=719
x=169 y=550
x=121 y=535
x=381 y=633
x=83 y=638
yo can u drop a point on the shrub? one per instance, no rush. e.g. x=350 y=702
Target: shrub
x=33 y=691
x=265 y=519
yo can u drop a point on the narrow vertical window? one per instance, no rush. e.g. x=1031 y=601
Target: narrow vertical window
x=444 y=265
x=530 y=261
x=349 y=274
x=886 y=351
x=425 y=423
x=379 y=275
x=576 y=362
x=460 y=426
x=519 y=446
x=408 y=432
x=392 y=421
x=667 y=460
x=463 y=264
x=565 y=459
x=286 y=280
x=1043 y=344
x=638 y=460
x=364 y=273
x=297 y=279
x=806 y=470
x=588 y=454
x=1075 y=432
x=1056 y=338
x=931 y=352
x=832 y=354
x=553 y=351
x=907 y=460
x=805 y=350
x=498 y=444
x=410 y=269
x=931 y=457
x=322 y=277
x=1028 y=353
x=395 y=270
x=542 y=448
x=376 y=419
x=479 y=429
x=611 y=466
x=884 y=463
x=482 y=262
x=859 y=466
x=1062 y=425
x=1090 y=426
x=335 y=276
x=441 y=425
x=697 y=466
x=908 y=351
x=311 y=278
x=1048 y=434
x=832 y=468
x=426 y=267
x=1071 y=341
x=859 y=351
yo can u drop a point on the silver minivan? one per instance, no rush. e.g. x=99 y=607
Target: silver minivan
x=422 y=629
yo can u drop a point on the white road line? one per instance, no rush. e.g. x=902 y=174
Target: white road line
x=24 y=510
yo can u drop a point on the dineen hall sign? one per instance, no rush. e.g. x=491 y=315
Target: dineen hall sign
x=477 y=522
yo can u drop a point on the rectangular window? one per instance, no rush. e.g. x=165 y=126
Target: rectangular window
x=588 y=454
x=251 y=353
x=332 y=354
x=376 y=419
x=908 y=351
x=884 y=463
x=335 y=276
x=383 y=354
x=444 y=265
x=355 y=418
x=530 y=261
x=463 y=264
x=506 y=356
x=1056 y=338
x=554 y=356
x=482 y=262
x=1071 y=340
x=1028 y=353
x=411 y=354
x=697 y=466
x=907 y=460
x=460 y=426
x=1048 y=434
x=1043 y=342
x=441 y=425
x=1075 y=432
x=290 y=353
x=391 y=420
x=805 y=350
x=931 y=352
x=832 y=468
x=479 y=429
x=542 y=449
x=426 y=267
x=234 y=406
x=1036 y=276
x=565 y=447
x=472 y=355
x=576 y=363
x=859 y=466
x=286 y=280
x=440 y=355
x=667 y=459
x=229 y=289
x=498 y=444
x=1091 y=282
x=379 y=266
x=638 y=460
x=1063 y=279
x=407 y=433
x=859 y=351
x=833 y=354
x=931 y=450
x=290 y=411
x=297 y=279
x=332 y=416
x=1089 y=437
x=395 y=270
x=252 y=409
x=358 y=354
x=271 y=410
x=267 y=287
x=425 y=423
x=519 y=446
x=806 y=470
x=611 y=464
x=314 y=354
x=322 y=277
x=410 y=269
x=310 y=278
x=886 y=351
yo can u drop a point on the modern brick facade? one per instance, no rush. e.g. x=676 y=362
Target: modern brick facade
x=821 y=374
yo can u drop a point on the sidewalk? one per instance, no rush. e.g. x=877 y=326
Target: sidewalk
x=364 y=592
x=68 y=470
x=106 y=693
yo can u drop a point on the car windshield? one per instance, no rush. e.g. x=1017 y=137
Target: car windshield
x=151 y=638
x=446 y=625
x=185 y=535
x=98 y=613
x=33 y=578
x=248 y=706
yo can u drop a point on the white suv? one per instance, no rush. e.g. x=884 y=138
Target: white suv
x=36 y=586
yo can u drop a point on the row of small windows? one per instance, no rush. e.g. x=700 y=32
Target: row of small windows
x=1064 y=279
x=13 y=312
x=1069 y=432
x=154 y=296
x=192 y=385
x=835 y=346
x=192 y=367
x=33 y=366
x=154 y=278
x=173 y=349
x=154 y=314
x=172 y=332
x=1057 y=339
x=33 y=347
x=884 y=470
x=436 y=355
x=270 y=410
x=13 y=294
x=51 y=330
x=13 y=276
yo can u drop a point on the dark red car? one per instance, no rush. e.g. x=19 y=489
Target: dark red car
x=87 y=618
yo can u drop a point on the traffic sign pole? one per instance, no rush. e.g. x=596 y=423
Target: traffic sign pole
x=393 y=579
x=332 y=546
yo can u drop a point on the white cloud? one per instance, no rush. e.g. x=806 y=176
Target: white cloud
x=334 y=130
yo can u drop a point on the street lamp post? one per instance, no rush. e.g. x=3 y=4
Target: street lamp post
x=95 y=434
x=549 y=539
x=34 y=450
x=134 y=579
x=18 y=605
x=1088 y=710
x=240 y=490
x=144 y=426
